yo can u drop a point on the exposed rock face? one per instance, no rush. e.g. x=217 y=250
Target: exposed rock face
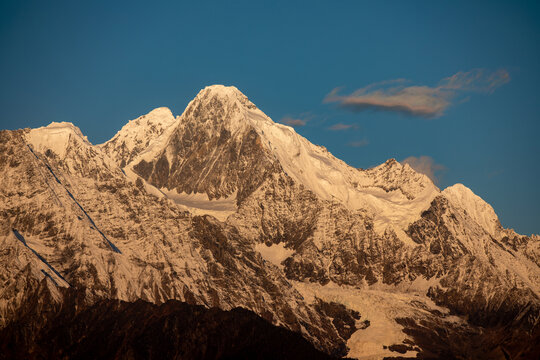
x=206 y=154
x=113 y=329
x=373 y=262
x=481 y=277
x=344 y=320
x=444 y=340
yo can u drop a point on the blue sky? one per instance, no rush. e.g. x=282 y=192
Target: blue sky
x=99 y=64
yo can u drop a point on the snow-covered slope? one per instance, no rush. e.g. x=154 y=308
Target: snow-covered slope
x=395 y=193
x=138 y=134
x=65 y=143
x=475 y=206
x=57 y=137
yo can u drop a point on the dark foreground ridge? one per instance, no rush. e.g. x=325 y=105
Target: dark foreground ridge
x=113 y=329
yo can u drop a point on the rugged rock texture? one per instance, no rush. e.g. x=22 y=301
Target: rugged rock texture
x=481 y=277
x=373 y=262
x=205 y=154
x=450 y=341
x=113 y=329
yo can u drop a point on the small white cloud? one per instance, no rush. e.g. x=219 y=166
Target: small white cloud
x=476 y=80
x=426 y=165
x=360 y=143
x=293 y=122
x=340 y=126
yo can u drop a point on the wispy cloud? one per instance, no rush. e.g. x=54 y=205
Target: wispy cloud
x=419 y=100
x=477 y=80
x=287 y=120
x=340 y=127
x=427 y=166
x=359 y=143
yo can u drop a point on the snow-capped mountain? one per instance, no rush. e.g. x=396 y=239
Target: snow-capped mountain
x=137 y=135
x=224 y=145
x=223 y=207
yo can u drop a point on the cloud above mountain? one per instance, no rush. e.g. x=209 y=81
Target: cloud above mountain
x=340 y=127
x=359 y=143
x=287 y=120
x=427 y=166
x=419 y=100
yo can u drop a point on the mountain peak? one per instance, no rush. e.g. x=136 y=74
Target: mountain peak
x=219 y=107
x=219 y=89
x=475 y=206
x=137 y=135
x=226 y=95
x=160 y=111
x=61 y=127
x=392 y=163
x=56 y=137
